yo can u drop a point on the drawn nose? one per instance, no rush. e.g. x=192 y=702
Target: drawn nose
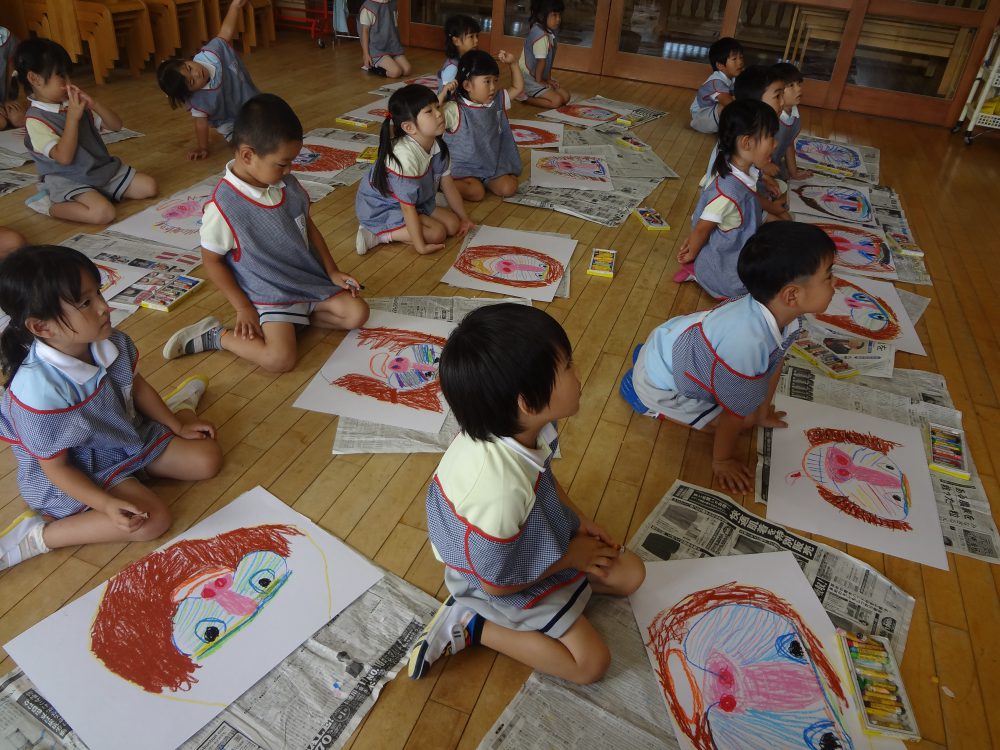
x=221 y=591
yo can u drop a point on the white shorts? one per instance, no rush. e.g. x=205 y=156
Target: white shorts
x=296 y=313
x=671 y=404
x=706 y=120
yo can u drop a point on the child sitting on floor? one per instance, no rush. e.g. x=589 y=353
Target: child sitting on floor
x=381 y=50
x=80 y=419
x=715 y=94
x=11 y=111
x=789 y=123
x=540 y=88
x=718 y=370
x=461 y=35
x=521 y=560
x=262 y=250
x=213 y=85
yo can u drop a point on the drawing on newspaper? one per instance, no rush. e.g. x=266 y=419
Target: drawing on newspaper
x=534 y=134
x=860 y=251
x=576 y=171
x=827 y=154
x=161 y=617
x=832 y=201
x=743 y=663
x=871 y=309
x=174 y=221
x=386 y=373
x=854 y=472
x=588 y=112
x=318 y=158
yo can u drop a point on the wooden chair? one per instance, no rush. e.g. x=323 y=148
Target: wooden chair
x=97 y=30
x=72 y=23
x=178 y=25
x=254 y=12
x=133 y=31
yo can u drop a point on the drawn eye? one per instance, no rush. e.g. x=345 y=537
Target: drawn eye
x=258 y=574
x=823 y=735
x=878 y=316
x=262 y=580
x=210 y=629
x=789 y=646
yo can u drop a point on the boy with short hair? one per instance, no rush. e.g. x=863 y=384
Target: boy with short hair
x=789 y=123
x=717 y=370
x=520 y=558
x=726 y=58
x=262 y=250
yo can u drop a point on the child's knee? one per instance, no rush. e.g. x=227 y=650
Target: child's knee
x=633 y=573
x=207 y=461
x=156 y=525
x=594 y=665
x=474 y=191
x=101 y=213
x=144 y=186
x=504 y=186
x=436 y=232
x=278 y=359
x=355 y=313
x=404 y=66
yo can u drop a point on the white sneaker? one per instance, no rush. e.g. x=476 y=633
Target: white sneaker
x=445 y=633
x=22 y=539
x=187 y=394
x=176 y=345
x=40 y=202
x=365 y=240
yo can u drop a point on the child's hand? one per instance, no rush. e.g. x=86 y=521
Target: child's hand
x=196 y=154
x=800 y=174
x=594 y=529
x=591 y=555
x=123 y=514
x=87 y=99
x=553 y=83
x=770 y=169
x=366 y=61
x=686 y=254
x=464 y=225
x=76 y=106
x=505 y=57
x=770 y=417
x=197 y=430
x=247 y=324
x=448 y=88
x=733 y=475
x=347 y=282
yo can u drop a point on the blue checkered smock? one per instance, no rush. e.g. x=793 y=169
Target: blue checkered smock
x=105 y=436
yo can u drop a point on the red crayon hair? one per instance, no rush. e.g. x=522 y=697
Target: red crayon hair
x=466 y=264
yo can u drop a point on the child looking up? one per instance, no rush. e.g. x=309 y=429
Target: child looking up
x=726 y=58
x=80 y=419
x=64 y=136
x=213 y=85
x=381 y=50
x=521 y=560
x=728 y=211
x=790 y=124
x=11 y=112
x=718 y=370
x=540 y=88
x=483 y=153
x=396 y=201
x=461 y=34
x=262 y=250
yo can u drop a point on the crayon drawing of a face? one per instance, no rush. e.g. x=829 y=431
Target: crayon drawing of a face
x=430 y=82
x=181 y=215
x=855 y=473
x=842 y=203
x=109 y=276
x=511 y=266
x=403 y=371
x=583 y=168
x=859 y=250
x=588 y=112
x=526 y=135
x=319 y=158
x=856 y=311
x=828 y=154
x=160 y=618
x=740 y=669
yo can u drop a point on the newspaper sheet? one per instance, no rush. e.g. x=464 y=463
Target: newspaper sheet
x=314 y=699
x=128 y=251
x=10 y=160
x=910 y=269
x=355 y=172
x=316 y=191
x=608 y=208
x=11 y=180
x=691 y=521
x=911 y=397
x=914 y=304
x=622 y=160
x=359 y=436
x=114 y=136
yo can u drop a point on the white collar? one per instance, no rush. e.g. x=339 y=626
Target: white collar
x=789 y=117
x=469 y=103
x=750 y=180
x=777 y=334
x=251 y=191
x=724 y=78
x=211 y=72
x=534 y=456
x=104 y=353
x=46 y=106
x=410 y=142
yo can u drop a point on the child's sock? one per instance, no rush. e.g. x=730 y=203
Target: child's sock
x=187 y=394
x=203 y=336
x=40 y=202
x=452 y=628
x=22 y=539
x=685 y=273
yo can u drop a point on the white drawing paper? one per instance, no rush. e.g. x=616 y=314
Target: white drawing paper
x=836 y=201
x=587 y=113
x=745 y=654
x=870 y=309
x=148 y=658
x=322 y=158
x=13 y=140
x=386 y=372
x=537 y=134
x=174 y=221
x=855 y=478
x=573 y=171
x=116 y=277
x=375 y=111
x=529 y=265
x=430 y=80
x=861 y=250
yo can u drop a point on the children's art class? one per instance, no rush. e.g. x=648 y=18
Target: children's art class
x=706 y=288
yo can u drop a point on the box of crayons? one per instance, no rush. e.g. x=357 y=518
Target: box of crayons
x=815 y=351
x=878 y=686
x=651 y=218
x=369 y=155
x=602 y=263
x=949 y=451
x=354 y=122
x=632 y=142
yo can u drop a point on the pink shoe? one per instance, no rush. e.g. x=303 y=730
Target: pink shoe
x=685 y=273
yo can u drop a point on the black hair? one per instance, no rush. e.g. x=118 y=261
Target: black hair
x=753 y=82
x=404 y=106
x=474 y=63
x=264 y=123
x=782 y=253
x=721 y=50
x=748 y=117
x=34 y=282
x=171 y=79
x=43 y=57
x=540 y=10
x=458 y=25
x=497 y=355
x=787 y=72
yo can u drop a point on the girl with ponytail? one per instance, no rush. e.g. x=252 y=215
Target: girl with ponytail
x=396 y=201
x=729 y=211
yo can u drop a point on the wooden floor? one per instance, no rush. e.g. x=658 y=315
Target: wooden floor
x=616 y=465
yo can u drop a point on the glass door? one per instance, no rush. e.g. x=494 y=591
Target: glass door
x=581 y=35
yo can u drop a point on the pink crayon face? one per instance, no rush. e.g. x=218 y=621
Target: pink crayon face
x=867 y=478
x=413 y=367
x=184 y=209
